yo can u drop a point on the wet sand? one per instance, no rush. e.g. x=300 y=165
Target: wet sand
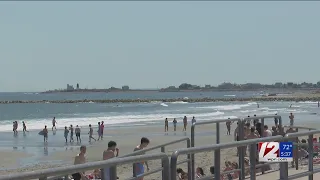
x=30 y=153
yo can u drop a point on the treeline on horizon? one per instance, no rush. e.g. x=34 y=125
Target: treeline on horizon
x=223 y=86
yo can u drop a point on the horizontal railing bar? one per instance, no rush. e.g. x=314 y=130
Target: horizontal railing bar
x=216 y=121
x=146 y=173
x=265 y=164
x=303 y=133
x=209 y=177
x=183 y=161
x=154 y=148
x=226 y=145
x=262 y=117
x=299 y=127
x=306 y=173
x=81 y=167
x=231 y=171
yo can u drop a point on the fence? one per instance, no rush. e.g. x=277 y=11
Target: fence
x=252 y=142
x=43 y=174
x=240 y=135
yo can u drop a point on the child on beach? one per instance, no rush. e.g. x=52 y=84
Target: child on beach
x=139 y=167
x=91 y=133
x=45 y=134
x=78 y=131
x=71 y=133
x=66 y=132
x=174 y=124
x=181 y=174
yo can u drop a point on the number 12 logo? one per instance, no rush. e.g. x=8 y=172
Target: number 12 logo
x=268 y=149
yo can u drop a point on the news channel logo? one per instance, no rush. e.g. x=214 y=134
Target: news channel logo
x=275 y=151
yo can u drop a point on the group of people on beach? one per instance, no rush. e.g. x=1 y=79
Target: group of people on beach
x=184 y=120
x=111 y=152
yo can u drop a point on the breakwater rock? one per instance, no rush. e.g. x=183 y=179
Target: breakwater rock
x=254 y=99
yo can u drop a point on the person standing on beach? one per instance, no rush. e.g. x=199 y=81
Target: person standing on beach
x=193 y=120
x=255 y=120
x=228 y=124
x=174 y=124
x=24 y=127
x=80 y=159
x=71 y=133
x=185 y=123
x=291 y=117
x=139 y=167
x=99 y=131
x=276 y=121
x=45 y=134
x=166 y=124
x=15 y=126
x=102 y=129
x=66 y=132
x=77 y=131
x=91 y=133
x=54 y=122
x=108 y=154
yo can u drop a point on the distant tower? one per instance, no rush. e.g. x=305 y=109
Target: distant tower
x=77 y=85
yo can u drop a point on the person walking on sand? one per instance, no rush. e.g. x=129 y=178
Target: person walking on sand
x=99 y=131
x=291 y=117
x=91 y=133
x=66 y=132
x=24 y=127
x=174 y=124
x=80 y=159
x=54 y=122
x=185 y=123
x=228 y=124
x=71 y=133
x=77 y=131
x=166 y=124
x=102 y=129
x=108 y=154
x=45 y=134
x=139 y=167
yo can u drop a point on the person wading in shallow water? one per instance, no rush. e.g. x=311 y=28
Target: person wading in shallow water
x=54 y=122
x=45 y=134
x=77 y=131
x=166 y=125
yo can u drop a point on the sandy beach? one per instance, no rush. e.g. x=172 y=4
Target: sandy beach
x=58 y=154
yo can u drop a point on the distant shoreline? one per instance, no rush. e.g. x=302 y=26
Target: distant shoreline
x=290 y=97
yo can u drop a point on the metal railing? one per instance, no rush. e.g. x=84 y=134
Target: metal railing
x=242 y=149
x=43 y=174
x=140 y=152
x=252 y=142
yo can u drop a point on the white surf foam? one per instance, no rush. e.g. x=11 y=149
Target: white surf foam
x=178 y=102
x=111 y=120
x=226 y=107
x=163 y=104
x=231 y=95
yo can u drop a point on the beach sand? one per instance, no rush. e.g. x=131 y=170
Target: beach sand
x=127 y=139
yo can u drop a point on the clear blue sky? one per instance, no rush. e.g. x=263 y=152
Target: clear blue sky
x=45 y=45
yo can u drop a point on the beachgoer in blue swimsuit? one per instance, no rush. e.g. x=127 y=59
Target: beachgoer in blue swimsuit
x=139 y=167
x=108 y=154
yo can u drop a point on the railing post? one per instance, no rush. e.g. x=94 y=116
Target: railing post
x=113 y=173
x=192 y=155
x=241 y=150
x=253 y=158
x=296 y=159
x=163 y=149
x=310 y=150
x=173 y=165
x=166 y=168
x=190 y=170
x=262 y=135
x=217 y=153
x=284 y=168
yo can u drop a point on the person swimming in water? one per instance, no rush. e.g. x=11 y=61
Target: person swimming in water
x=139 y=167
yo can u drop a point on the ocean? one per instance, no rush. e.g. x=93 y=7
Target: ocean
x=140 y=114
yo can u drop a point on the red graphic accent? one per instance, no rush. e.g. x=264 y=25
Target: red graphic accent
x=267 y=149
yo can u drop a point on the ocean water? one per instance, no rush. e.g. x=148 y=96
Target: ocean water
x=140 y=114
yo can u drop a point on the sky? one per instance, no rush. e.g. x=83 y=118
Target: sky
x=46 y=45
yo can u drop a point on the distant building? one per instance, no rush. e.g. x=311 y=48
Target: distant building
x=70 y=87
x=125 y=88
x=78 y=86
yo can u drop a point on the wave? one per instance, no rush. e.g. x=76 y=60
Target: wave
x=178 y=102
x=164 y=105
x=33 y=124
x=232 y=95
x=226 y=107
x=308 y=102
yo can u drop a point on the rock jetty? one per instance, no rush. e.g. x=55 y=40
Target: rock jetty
x=254 y=99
